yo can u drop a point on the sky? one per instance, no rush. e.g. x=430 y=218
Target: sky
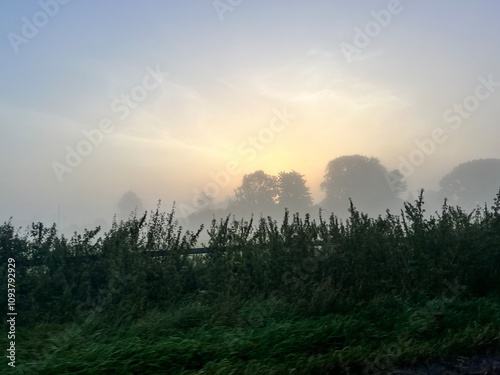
x=170 y=98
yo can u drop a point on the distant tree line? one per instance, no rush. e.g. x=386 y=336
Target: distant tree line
x=364 y=180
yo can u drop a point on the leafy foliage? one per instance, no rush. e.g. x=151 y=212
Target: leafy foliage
x=362 y=179
x=293 y=192
x=472 y=182
x=257 y=190
x=408 y=255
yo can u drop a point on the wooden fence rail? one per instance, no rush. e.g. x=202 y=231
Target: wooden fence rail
x=153 y=253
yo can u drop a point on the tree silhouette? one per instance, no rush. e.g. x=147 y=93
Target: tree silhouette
x=129 y=203
x=258 y=191
x=293 y=192
x=363 y=179
x=472 y=183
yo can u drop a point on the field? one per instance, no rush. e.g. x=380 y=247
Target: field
x=364 y=296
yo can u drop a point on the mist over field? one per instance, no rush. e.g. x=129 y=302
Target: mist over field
x=108 y=107
x=249 y=187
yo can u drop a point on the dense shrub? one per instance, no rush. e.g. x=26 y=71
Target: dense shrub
x=143 y=264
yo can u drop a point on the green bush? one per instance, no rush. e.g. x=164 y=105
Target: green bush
x=144 y=264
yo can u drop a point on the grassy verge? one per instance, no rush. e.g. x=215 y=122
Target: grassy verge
x=266 y=337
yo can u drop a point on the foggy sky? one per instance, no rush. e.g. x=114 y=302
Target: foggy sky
x=222 y=74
